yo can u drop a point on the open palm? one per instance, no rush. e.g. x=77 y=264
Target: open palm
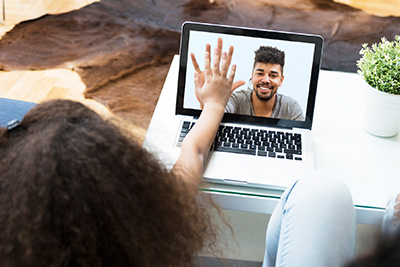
x=200 y=75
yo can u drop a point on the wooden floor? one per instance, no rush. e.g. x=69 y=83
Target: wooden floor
x=375 y=7
x=37 y=86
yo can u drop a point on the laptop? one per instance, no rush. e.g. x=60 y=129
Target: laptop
x=249 y=150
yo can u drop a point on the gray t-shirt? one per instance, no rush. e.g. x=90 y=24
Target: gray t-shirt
x=285 y=107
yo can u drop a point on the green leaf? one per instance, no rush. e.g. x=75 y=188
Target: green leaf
x=379 y=65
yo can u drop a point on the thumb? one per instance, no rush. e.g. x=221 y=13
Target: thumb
x=197 y=80
x=197 y=86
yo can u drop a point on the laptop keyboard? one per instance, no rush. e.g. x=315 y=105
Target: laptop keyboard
x=251 y=141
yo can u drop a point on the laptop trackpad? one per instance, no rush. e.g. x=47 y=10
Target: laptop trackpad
x=250 y=170
x=236 y=167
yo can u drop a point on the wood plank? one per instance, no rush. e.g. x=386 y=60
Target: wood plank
x=32 y=87
x=8 y=80
x=375 y=7
x=20 y=10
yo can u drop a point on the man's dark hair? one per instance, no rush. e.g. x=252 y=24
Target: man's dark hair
x=77 y=190
x=269 y=54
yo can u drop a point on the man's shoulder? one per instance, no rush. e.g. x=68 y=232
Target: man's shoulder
x=289 y=108
x=239 y=102
x=286 y=99
x=242 y=92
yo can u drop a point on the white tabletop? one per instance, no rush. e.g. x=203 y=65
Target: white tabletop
x=369 y=165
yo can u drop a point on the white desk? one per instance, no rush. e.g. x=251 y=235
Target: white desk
x=369 y=165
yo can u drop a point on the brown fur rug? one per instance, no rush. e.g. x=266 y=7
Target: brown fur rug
x=122 y=48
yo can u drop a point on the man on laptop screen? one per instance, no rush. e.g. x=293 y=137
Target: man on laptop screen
x=262 y=99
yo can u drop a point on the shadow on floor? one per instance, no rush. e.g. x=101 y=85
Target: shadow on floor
x=201 y=261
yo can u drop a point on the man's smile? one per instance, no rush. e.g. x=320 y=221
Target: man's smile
x=264 y=88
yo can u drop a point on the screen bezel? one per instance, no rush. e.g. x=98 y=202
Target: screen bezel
x=251 y=32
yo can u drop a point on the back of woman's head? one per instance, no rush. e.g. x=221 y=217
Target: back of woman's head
x=76 y=190
x=386 y=252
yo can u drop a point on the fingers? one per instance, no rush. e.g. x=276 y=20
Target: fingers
x=232 y=74
x=219 y=44
x=230 y=54
x=208 y=48
x=197 y=88
x=208 y=56
x=207 y=63
x=217 y=60
x=196 y=80
x=194 y=61
x=226 y=61
x=195 y=64
x=224 y=65
x=221 y=62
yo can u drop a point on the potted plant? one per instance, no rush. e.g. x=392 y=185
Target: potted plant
x=379 y=66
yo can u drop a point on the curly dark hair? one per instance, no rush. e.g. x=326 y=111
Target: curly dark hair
x=76 y=190
x=269 y=54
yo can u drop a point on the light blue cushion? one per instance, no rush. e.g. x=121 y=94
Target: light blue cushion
x=13 y=110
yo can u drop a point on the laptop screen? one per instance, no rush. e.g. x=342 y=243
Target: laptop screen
x=296 y=86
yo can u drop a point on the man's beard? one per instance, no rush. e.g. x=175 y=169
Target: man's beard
x=264 y=97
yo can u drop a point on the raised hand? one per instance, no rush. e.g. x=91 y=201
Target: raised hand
x=215 y=82
x=200 y=75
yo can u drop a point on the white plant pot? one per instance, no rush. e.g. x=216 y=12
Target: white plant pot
x=382 y=112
